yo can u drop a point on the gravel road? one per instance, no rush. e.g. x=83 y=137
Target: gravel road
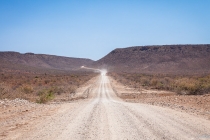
x=104 y=116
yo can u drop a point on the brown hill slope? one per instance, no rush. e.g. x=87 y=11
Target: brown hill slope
x=176 y=59
x=10 y=60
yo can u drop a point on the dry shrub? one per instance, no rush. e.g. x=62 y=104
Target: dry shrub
x=4 y=90
x=26 y=89
x=145 y=81
x=192 y=85
x=72 y=89
x=27 y=85
x=45 y=96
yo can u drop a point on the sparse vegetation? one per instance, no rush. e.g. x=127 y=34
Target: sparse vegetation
x=188 y=85
x=45 y=96
x=26 y=89
x=41 y=87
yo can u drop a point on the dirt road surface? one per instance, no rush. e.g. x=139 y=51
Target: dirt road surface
x=104 y=116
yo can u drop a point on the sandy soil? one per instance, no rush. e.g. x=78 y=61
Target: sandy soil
x=102 y=115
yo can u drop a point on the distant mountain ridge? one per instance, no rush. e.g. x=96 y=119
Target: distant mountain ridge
x=44 y=61
x=183 y=59
x=165 y=59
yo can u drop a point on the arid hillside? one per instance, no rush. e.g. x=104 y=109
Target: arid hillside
x=171 y=59
x=41 y=78
x=15 y=60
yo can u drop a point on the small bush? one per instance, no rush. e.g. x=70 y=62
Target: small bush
x=145 y=82
x=3 y=91
x=57 y=90
x=45 y=96
x=26 y=89
x=72 y=89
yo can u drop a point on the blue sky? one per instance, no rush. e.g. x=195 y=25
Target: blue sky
x=93 y=28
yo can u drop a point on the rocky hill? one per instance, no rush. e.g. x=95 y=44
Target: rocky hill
x=182 y=59
x=14 y=60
